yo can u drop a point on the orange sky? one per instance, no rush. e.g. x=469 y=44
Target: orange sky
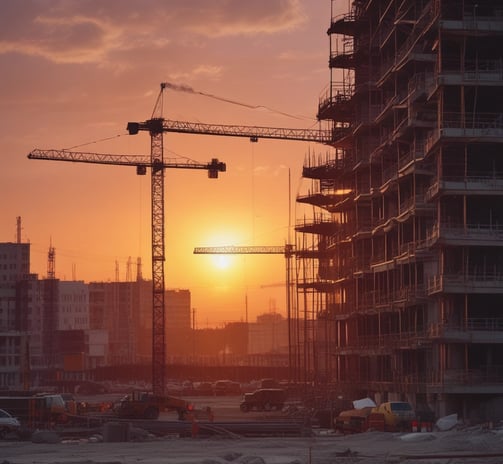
x=74 y=72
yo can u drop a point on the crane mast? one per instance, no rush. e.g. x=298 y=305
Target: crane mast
x=158 y=258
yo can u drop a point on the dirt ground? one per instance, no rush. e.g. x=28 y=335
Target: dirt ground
x=467 y=446
x=463 y=447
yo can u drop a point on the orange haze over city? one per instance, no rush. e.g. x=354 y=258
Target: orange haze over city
x=75 y=72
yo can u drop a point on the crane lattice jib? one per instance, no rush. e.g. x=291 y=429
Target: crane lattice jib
x=119 y=160
x=252 y=132
x=242 y=250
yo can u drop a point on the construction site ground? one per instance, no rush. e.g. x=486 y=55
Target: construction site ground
x=466 y=445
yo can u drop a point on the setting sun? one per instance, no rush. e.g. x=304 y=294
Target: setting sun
x=222 y=261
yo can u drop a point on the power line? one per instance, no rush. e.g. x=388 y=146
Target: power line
x=95 y=141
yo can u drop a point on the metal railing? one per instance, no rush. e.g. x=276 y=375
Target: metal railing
x=472 y=120
x=484 y=324
x=466 y=231
x=462 y=280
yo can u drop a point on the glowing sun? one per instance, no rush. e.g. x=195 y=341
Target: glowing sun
x=222 y=261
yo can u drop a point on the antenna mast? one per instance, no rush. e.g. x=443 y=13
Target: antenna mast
x=51 y=262
x=18 y=229
x=138 y=269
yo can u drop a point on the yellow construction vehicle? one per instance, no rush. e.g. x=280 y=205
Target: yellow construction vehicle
x=390 y=416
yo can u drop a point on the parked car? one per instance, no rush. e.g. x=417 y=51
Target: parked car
x=269 y=383
x=89 y=387
x=203 y=389
x=226 y=387
x=264 y=399
x=8 y=423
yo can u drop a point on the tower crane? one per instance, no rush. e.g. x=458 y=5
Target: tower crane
x=156 y=126
x=287 y=250
x=157 y=167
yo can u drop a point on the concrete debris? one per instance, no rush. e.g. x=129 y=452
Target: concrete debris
x=346 y=453
x=232 y=456
x=252 y=460
x=418 y=436
x=364 y=403
x=447 y=422
x=45 y=436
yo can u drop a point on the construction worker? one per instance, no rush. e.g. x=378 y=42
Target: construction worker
x=194 y=427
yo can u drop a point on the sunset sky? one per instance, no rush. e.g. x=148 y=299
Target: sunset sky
x=75 y=72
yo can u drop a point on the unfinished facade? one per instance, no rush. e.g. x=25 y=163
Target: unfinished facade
x=406 y=289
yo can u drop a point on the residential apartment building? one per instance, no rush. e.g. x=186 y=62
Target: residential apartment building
x=179 y=335
x=178 y=310
x=14 y=268
x=118 y=308
x=124 y=309
x=73 y=306
x=405 y=289
x=269 y=334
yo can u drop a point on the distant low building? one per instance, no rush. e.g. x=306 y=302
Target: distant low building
x=269 y=334
x=73 y=306
x=178 y=311
x=179 y=336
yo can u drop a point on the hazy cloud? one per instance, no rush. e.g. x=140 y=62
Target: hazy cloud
x=235 y=17
x=203 y=70
x=78 y=31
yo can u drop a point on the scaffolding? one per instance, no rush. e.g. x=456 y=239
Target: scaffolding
x=402 y=300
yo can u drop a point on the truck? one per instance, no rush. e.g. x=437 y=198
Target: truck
x=146 y=405
x=263 y=399
x=36 y=409
x=388 y=416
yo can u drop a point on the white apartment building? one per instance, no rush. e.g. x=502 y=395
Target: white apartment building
x=73 y=306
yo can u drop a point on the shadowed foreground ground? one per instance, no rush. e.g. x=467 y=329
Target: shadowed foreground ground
x=470 y=446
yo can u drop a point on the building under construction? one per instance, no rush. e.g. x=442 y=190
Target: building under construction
x=403 y=298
